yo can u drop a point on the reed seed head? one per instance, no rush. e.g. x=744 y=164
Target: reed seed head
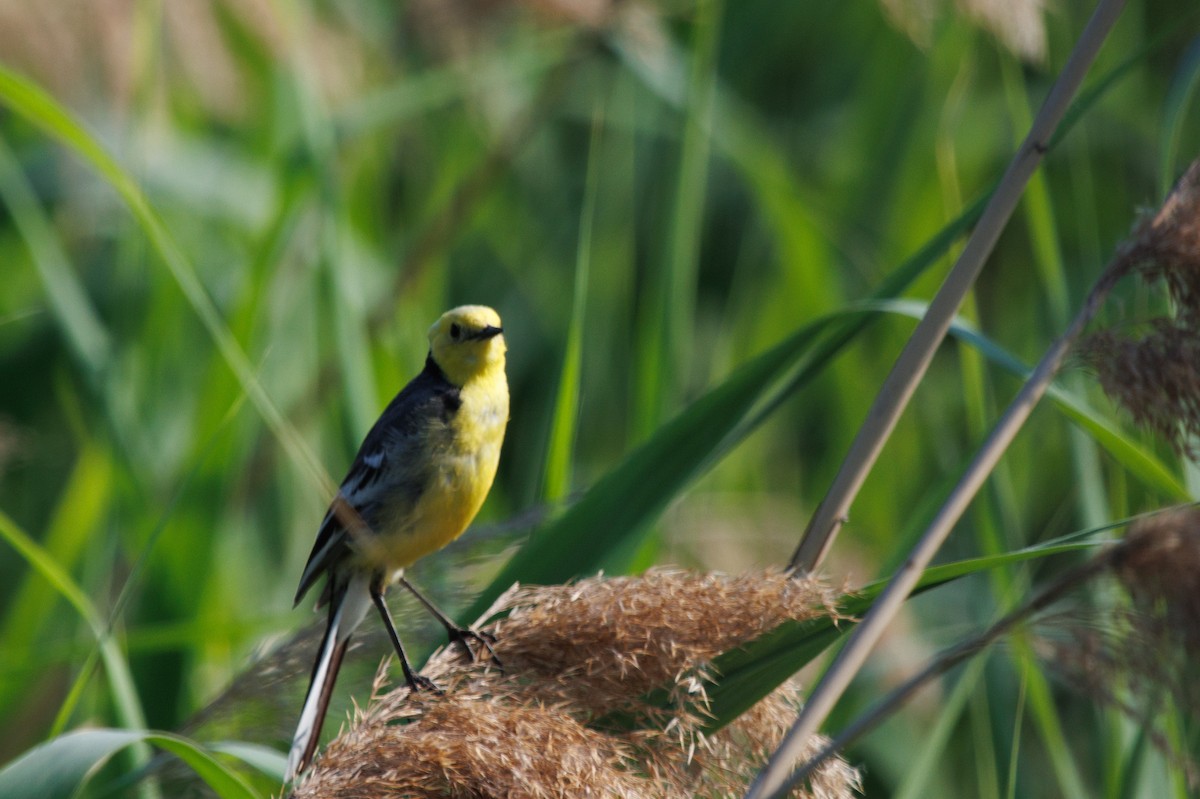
x=575 y=655
x=1155 y=372
x=1155 y=377
x=1167 y=246
x=1143 y=656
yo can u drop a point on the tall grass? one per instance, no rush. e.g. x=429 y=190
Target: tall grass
x=706 y=226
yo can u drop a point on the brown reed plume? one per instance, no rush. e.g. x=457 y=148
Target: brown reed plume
x=1154 y=371
x=573 y=655
x=1143 y=656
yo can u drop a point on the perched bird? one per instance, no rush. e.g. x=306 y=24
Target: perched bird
x=419 y=478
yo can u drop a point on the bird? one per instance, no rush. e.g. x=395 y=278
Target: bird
x=420 y=476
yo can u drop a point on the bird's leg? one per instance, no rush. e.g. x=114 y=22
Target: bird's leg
x=458 y=635
x=415 y=681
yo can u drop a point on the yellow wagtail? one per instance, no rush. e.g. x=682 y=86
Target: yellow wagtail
x=419 y=478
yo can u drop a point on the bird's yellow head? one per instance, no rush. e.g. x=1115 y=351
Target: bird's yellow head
x=467 y=342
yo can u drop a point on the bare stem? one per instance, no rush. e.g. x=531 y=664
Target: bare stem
x=848 y=662
x=948 y=660
x=913 y=361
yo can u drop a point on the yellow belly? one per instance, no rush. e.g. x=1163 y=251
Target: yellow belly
x=461 y=469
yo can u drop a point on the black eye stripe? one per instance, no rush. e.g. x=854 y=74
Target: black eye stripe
x=455 y=330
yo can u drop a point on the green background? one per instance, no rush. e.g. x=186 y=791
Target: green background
x=649 y=200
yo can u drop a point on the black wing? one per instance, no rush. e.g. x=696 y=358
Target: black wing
x=378 y=469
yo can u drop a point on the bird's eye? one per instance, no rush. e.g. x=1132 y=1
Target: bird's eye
x=455 y=331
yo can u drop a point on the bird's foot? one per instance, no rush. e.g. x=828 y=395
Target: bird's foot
x=417 y=682
x=460 y=636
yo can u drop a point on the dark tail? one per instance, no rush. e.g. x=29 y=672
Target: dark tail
x=345 y=612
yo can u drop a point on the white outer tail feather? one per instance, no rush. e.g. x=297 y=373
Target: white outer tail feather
x=344 y=619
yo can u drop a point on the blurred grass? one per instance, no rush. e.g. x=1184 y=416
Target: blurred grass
x=320 y=183
x=564 y=425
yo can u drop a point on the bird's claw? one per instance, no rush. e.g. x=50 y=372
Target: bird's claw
x=459 y=636
x=418 y=682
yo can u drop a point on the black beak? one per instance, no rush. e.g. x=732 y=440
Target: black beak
x=490 y=331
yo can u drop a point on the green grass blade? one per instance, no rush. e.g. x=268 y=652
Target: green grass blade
x=921 y=777
x=1175 y=113
x=1040 y=700
x=1038 y=211
x=40 y=109
x=603 y=529
x=120 y=679
x=73 y=311
x=610 y=516
x=745 y=675
x=225 y=781
x=348 y=318
x=124 y=693
x=1132 y=768
x=82 y=504
x=556 y=479
x=59 y=769
x=1015 y=748
x=683 y=239
x=1136 y=460
x=342 y=269
x=267 y=760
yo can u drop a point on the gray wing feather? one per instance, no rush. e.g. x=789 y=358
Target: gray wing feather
x=381 y=469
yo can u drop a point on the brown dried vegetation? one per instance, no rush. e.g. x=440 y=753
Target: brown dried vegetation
x=1155 y=375
x=1167 y=246
x=1142 y=656
x=572 y=655
x=1159 y=566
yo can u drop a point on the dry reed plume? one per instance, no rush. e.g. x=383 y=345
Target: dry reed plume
x=572 y=655
x=1142 y=657
x=1155 y=373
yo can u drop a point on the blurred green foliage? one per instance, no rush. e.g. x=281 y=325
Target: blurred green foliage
x=332 y=176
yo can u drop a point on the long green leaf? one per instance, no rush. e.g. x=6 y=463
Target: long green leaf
x=603 y=529
x=120 y=679
x=58 y=769
x=750 y=673
x=682 y=262
x=267 y=760
x=556 y=481
x=31 y=606
x=745 y=675
x=610 y=516
x=87 y=335
x=1179 y=101
x=1136 y=460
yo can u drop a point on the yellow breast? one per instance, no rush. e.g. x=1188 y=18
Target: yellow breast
x=462 y=458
